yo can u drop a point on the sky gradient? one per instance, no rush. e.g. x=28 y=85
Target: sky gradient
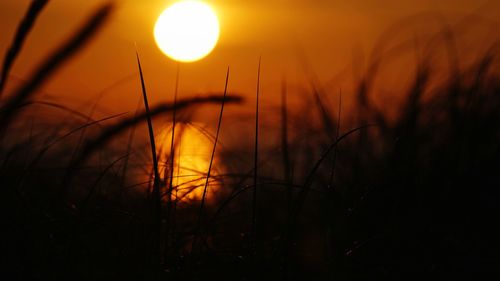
x=297 y=39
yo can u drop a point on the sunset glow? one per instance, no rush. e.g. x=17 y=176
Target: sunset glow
x=193 y=150
x=187 y=31
x=249 y=140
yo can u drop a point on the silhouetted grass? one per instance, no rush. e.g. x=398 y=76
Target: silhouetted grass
x=53 y=62
x=411 y=194
x=256 y=168
x=23 y=30
x=205 y=187
x=156 y=202
x=171 y=167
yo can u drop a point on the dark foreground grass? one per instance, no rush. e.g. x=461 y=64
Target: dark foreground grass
x=411 y=195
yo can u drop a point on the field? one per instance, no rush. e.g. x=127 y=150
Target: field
x=318 y=190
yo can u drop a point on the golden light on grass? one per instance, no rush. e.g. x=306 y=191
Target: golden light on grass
x=193 y=149
x=187 y=31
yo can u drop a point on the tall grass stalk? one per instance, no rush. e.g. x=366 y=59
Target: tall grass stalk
x=172 y=158
x=156 y=196
x=256 y=159
x=205 y=188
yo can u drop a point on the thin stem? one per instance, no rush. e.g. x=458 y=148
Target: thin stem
x=256 y=159
x=203 y=198
x=172 y=157
x=156 y=184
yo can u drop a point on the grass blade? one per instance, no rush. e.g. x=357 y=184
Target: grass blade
x=203 y=198
x=256 y=159
x=23 y=30
x=172 y=158
x=54 y=62
x=156 y=180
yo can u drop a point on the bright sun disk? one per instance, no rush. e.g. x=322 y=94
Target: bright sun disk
x=187 y=31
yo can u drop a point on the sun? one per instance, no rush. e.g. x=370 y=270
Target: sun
x=187 y=31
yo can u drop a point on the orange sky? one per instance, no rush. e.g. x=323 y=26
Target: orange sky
x=328 y=34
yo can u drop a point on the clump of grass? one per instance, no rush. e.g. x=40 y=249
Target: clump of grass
x=413 y=193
